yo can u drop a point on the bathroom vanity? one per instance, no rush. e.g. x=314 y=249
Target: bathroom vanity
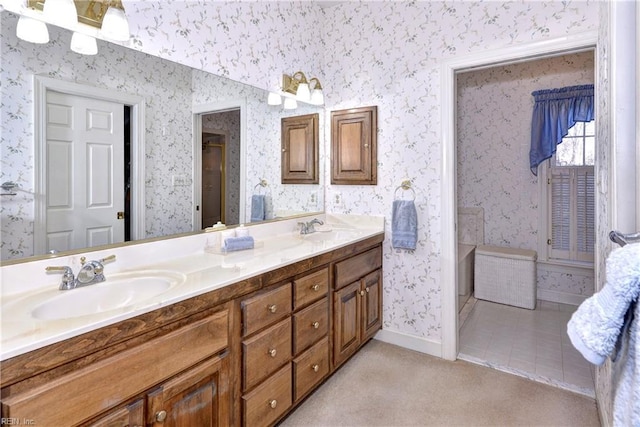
x=256 y=339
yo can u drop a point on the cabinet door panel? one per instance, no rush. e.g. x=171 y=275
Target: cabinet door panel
x=191 y=399
x=98 y=387
x=347 y=315
x=300 y=149
x=128 y=416
x=371 y=304
x=354 y=146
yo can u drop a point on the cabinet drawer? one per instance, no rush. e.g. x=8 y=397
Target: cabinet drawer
x=104 y=384
x=266 y=309
x=352 y=269
x=310 y=288
x=269 y=401
x=310 y=368
x=310 y=324
x=264 y=353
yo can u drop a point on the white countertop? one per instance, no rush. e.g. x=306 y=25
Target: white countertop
x=196 y=272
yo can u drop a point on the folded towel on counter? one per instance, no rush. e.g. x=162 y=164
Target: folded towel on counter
x=595 y=327
x=232 y=244
x=258 y=207
x=404 y=225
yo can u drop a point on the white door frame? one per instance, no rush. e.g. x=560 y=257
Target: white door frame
x=508 y=55
x=41 y=85
x=217 y=107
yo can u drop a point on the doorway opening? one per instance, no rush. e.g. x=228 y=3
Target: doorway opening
x=218 y=166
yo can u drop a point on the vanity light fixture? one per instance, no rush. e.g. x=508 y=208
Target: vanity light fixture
x=274 y=99
x=84 y=44
x=317 y=97
x=298 y=85
x=115 y=25
x=290 y=103
x=61 y=12
x=31 y=30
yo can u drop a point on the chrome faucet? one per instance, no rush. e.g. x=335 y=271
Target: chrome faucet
x=90 y=273
x=308 y=227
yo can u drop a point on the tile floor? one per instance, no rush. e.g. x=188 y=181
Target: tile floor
x=530 y=343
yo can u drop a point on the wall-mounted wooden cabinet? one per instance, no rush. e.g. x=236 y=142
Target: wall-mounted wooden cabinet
x=300 y=149
x=354 y=146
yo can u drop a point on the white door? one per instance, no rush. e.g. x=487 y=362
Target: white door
x=85 y=172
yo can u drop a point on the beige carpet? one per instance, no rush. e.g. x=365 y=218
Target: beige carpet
x=385 y=385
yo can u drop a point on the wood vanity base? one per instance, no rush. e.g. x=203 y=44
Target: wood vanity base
x=245 y=354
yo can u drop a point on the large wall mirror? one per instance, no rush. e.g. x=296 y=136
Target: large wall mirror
x=208 y=144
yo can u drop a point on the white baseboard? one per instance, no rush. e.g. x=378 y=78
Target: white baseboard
x=411 y=342
x=561 y=297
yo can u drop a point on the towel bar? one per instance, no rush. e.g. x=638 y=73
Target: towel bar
x=624 y=239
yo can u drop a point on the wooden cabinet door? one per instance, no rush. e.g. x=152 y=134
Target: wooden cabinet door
x=128 y=416
x=371 y=304
x=354 y=146
x=300 y=149
x=194 y=398
x=346 y=323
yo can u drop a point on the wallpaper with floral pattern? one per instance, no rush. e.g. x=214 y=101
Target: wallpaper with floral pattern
x=383 y=53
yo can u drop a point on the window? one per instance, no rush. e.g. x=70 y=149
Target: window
x=571 y=196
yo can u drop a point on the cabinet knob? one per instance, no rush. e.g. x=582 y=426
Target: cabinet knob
x=272 y=308
x=361 y=293
x=367 y=289
x=161 y=416
x=366 y=145
x=315 y=287
x=273 y=352
x=273 y=403
x=315 y=367
x=315 y=325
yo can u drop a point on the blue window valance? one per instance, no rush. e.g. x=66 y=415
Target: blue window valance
x=554 y=112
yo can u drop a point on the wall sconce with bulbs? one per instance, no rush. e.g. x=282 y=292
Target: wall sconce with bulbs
x=297 y=88
x=107 y=16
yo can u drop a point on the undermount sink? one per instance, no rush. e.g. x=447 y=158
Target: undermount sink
x=117 y=291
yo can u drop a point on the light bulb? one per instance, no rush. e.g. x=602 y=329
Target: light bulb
x=290 y=104
x=274 y=99
x=303 y=93
x=317 y=97
x=32 y=30
x=115 y=25
x=61 y=12
x=83 y=44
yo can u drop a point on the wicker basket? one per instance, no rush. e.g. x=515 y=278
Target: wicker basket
x=506 y=276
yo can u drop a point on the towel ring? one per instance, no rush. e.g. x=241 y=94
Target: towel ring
x=405 y=186
x=263 y=183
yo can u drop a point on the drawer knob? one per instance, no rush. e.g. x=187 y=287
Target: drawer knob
x=315 y=287
x=273 y=352
x=315 y=325
x=161 y=416
x=315 y=367
x=272 y=308
x=273 y=403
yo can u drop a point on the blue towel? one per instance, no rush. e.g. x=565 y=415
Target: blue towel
x=595 y=326
x=232 y=244
x=258 y=207
x=404 y=225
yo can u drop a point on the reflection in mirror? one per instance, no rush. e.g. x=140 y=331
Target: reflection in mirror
x=167 y=187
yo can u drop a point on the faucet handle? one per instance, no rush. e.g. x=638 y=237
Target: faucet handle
x=108 y=259
x=68 y=279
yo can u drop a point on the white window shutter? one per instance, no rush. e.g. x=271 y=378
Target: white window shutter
x=585 y=213
x=560 y=214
